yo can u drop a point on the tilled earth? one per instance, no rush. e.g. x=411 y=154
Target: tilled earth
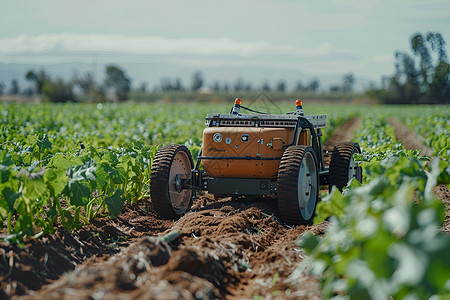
x=226 y=248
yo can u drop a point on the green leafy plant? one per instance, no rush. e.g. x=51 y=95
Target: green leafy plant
x=383 y=243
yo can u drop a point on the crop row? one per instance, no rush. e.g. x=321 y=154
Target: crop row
x=383 y=239
x=66 y=164
x=71 y=188
x=433 y=125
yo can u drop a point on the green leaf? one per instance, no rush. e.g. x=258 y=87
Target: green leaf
x=398 y=220
x=117 y=175
x=24 y=224
x=44 y=143
x=102 y=177
x=5 y=173
x=59 y=161
x=333 y=204
x=10 y=197
x=34 y=185
x=56 y=180
x=112 y=158
x=308 y=241
x=432 y=179
x=32 y=140
x=115 y=203
x=52 y=212
x=5 y=158
x=70 y=220
x=82 y=172
x=79 y=193
x=412 y=264
x=444 y=176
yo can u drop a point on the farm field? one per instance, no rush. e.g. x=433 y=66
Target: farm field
x=75 y=200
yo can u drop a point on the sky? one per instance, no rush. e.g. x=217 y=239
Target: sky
x=252 y=39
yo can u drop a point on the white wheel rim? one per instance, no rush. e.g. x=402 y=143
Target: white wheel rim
x=307 y=186
x=180 y=199
x=353 y=171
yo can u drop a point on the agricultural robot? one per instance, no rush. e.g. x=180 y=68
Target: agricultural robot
x=278 y=155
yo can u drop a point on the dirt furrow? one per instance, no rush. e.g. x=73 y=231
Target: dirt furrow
x=409 y=139
x=344 y=133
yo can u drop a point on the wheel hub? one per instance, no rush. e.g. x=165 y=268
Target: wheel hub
x=177 y=182
x=307 y=185
x=352 y=169
x=180 y=169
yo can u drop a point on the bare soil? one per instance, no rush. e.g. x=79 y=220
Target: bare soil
x=226 y=249
x=409 y=139
x=344 y=133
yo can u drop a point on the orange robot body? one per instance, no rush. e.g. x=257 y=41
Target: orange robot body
x=246 y=152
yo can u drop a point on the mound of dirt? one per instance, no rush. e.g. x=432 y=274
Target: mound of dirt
x=224 y=249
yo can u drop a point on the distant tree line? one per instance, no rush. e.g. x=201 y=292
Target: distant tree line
x=423 y=77
x=117 y=85
x=59 y=90
x=79 y=88
x=240 y=85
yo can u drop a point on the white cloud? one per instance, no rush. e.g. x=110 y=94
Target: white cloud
x=72 y=43
x=129 y=44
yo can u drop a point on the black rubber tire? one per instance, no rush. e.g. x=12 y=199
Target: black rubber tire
x=298 y=161
x=160 y=187
x=342 y=166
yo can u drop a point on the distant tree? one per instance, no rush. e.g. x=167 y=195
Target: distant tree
x=178 y=85
x=216 y=86
x=86 y=82
x=226 y=87
x=2 y=87
x=440 y=83
x=266 y=86
x=423 y=77
x=439 y=88
x=39 y=79
x=58 y=91
x=420 y=48
x=166 y=84
x=348 y=82
x=299 y=86
x=313 y=85
x=335 y=88
x=143 y=87
x=239 y=85
x=197 y=81
x=91 y=90
x=438 y=45
x=405 y=82
x=281 y=86
x=14 y=90
x=372 y=85
x=100 y=93
x=117 y=79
